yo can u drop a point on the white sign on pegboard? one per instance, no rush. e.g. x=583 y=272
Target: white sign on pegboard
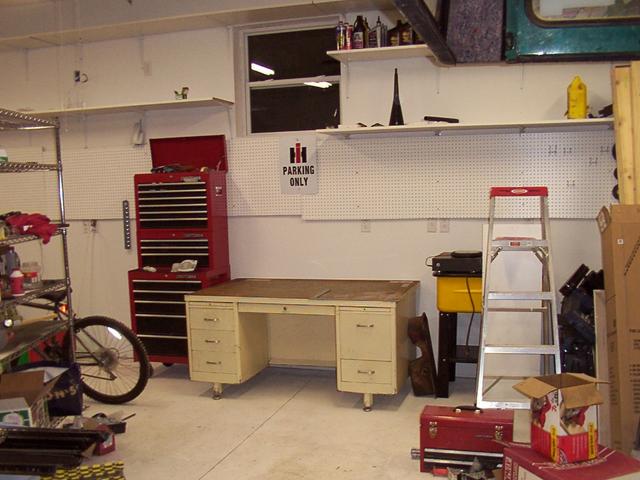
x=298 y=169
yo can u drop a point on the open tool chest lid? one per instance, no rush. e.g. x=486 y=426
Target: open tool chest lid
x=202 y=151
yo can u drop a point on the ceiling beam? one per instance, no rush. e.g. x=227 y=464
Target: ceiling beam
x=422 y=21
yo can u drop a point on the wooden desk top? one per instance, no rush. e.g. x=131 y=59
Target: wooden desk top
x=312 y=289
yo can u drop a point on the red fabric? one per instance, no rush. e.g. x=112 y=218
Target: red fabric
x=33 y=224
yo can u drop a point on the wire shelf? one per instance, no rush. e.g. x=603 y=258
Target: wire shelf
x=15 y=239
x=15 y=167
x=10 y=120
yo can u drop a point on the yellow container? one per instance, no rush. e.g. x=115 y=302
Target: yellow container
x=577 y=99
x=454 y=296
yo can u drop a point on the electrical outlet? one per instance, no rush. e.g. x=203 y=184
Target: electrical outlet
x=444 y=225
x=432 y=225
x=365 y=226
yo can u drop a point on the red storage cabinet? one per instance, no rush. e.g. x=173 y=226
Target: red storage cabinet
x=179 y=216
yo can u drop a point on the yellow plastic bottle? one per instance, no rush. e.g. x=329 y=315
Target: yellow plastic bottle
x=577 y=99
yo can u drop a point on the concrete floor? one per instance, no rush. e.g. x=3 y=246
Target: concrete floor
x=283 y=424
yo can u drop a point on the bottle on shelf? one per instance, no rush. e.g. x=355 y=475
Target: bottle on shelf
x=340 y=36
x=358 y=33
x=31 y=272
x=396 y=110
x=17 y=283
x=406 y=34
x=366 y=33
x=348 y=36
x=394 y=34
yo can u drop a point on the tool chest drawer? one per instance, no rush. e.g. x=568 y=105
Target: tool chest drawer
x=365 y=334
x=213 y=340
x=158 y=310
x=211 y=318
x=365 y=371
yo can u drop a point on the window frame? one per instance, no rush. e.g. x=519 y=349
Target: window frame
x=244 y=86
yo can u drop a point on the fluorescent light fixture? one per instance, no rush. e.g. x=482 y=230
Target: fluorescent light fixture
x=318 y=84
x=256 y=67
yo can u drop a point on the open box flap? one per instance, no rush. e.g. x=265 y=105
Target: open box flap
x=581 y=396
x=533 y=387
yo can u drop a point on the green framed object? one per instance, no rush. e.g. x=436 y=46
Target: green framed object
x=530 y=37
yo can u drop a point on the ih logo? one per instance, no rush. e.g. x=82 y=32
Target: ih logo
x=298 y=154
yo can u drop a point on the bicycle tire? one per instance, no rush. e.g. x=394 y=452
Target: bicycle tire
x=139 y=356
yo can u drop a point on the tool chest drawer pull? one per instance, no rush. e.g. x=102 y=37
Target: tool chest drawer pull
x=212 y=341
x=214 y=363
x=214 y=319
x=362 y=325
x=367 y=372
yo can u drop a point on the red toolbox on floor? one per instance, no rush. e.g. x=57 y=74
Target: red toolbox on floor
x=454 y=436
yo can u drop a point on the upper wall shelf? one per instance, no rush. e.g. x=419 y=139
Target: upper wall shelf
x=382 y=53
x=136 y=107
x=461 y=128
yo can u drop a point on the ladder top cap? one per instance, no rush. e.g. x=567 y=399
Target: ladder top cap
x=519 y=192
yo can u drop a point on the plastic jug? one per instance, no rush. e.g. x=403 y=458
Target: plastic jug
x=577 y=99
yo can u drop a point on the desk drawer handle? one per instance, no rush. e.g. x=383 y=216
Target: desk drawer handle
x=211 y=341
x=362 y=325
x=367 y=372
x=214 y=319
x=214 y=363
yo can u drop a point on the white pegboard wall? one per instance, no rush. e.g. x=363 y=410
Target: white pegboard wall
x=450 y=176
x=96 y=181
x=31 y=192
x=253 y=182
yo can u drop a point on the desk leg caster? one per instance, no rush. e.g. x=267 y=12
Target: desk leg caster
x=367 y=401
x=217 y=391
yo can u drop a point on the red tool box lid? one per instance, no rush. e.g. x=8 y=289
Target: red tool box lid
x=457 y=417
x=203 y=151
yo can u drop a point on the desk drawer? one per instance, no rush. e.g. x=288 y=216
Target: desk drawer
x=365 y=371
x=214 y=362
x=213 y=340
x=286 y=308
x=365 y=335
x=215 y=318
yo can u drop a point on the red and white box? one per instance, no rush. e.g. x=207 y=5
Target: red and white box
x=524 y=463
x=564 y=416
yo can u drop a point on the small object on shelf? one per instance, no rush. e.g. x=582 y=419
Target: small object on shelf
x=406 y=34
x=17 y=283
x=394 y=34
x=396 y=109
x=31 y=272
x=182 y=94
x=431 y=118
x=348 y=39
x=577 y=99
x=341 y=33
x=4 y=157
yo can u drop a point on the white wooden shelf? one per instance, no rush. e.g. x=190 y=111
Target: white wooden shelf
x=381 y=53
x=135 y=107
x=462 y=128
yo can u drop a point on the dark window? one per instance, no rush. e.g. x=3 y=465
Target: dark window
x=280 y=66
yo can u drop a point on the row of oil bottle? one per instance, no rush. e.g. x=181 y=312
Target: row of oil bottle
x=360 y=35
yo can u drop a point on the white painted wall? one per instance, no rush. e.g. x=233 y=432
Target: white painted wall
x=284 y=246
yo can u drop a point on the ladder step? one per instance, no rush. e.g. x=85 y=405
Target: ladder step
x=519 y=244
x=521 y=296
x=522 y=349
x=516 y=310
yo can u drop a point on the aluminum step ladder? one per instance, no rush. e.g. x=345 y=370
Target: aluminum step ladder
x=547 y=347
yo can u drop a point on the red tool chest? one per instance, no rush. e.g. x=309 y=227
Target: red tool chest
x=179 y=216
x=454 y=436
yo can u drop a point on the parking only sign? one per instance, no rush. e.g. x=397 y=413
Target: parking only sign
x=298 y=168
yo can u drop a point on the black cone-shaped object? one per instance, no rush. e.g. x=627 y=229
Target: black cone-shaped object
x=396 y=109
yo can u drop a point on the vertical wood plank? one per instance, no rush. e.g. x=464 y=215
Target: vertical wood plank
x=635 y=111
x=621 y=82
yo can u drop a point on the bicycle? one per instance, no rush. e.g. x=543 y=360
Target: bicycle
x=113 y=362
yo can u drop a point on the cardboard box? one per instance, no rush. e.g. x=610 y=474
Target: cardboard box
x=15 y=412
x=522 y=463
x=564 y=420
x=31 y=387
x=620 y=235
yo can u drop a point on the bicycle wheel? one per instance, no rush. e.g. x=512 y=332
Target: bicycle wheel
x=113 y=362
